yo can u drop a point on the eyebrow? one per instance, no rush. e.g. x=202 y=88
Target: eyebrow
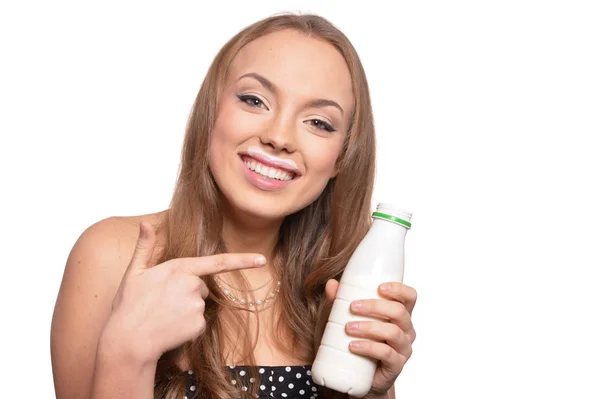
x=267 y=84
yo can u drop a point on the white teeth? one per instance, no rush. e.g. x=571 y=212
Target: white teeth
x=267 y=171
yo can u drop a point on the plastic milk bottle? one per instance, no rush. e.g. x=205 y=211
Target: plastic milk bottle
x=378 y=258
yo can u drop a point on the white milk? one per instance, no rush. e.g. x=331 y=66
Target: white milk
x=379 y=258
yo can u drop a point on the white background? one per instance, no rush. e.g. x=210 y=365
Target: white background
x=487 y=119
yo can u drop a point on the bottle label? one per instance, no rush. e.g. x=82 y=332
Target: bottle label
x=402 y=222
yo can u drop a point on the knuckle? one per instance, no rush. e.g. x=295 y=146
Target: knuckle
x=412 y=294
x=400 y=312
x=204 y=292
x=169 y=266
x=200 y=305
x=220 y=262
x=390 y=352
x=389 y=333
x=396 y=331
x=202 y=285
x=195 y=284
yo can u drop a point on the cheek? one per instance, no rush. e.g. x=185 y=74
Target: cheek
x=320 y=160
x=321 y=157
x=224 y=128
x=225 y=133
x=232 y=125
x=220 y=141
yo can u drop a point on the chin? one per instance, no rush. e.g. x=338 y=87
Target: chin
x=253 y=203
x=264 y=209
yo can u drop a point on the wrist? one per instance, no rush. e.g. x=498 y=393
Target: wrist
x=121 y=371
x=123 y=346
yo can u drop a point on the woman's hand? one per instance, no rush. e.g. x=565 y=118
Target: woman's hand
x=158 y=308
x=390 y=340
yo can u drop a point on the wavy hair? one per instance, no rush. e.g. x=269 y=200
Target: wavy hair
x=314 y=244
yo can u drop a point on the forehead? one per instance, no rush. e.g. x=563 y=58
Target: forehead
x=297 y=64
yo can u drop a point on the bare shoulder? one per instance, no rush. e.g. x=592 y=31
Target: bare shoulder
x=112 y=239
x=92 y=276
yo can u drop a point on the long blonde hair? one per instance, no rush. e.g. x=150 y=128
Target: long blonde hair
x=314 y=243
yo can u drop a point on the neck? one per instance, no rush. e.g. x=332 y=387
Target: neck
x=247 y=234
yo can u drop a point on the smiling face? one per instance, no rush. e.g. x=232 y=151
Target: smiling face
x=281 y=122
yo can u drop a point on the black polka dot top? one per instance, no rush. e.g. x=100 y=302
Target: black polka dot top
x=291 y=382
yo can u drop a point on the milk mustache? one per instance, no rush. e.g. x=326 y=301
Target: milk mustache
x=378 y=258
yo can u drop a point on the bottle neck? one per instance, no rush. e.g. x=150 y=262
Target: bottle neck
x=388 y=227
x=401 y=219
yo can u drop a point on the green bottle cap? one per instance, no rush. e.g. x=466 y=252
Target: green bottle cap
x=393 y=214
x=379 y=215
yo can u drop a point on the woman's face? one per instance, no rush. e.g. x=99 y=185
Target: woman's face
x=281 y=123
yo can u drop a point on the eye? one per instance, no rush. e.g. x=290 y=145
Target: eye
x=322 y=125
x=252 y=101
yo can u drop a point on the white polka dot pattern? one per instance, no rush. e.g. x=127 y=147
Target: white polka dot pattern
x=293 y=382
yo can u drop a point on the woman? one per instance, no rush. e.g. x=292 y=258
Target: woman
x=272 y=198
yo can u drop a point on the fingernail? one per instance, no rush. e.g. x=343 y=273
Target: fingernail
x=384 y=287
x=260 y=260
x=356 y=305
x=355 y=344
x=353 y=326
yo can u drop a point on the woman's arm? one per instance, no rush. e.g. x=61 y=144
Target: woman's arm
x=119 y=373
x=91 y=278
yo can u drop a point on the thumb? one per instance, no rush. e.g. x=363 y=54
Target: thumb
x=331 y=289
x=144 y=247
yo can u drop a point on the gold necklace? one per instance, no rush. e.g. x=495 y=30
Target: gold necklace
x=258 y=305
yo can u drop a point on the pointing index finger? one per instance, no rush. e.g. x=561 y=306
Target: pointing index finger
x=221 y=263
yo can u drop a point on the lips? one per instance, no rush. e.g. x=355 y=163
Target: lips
x=279 y=180
x=267 y=171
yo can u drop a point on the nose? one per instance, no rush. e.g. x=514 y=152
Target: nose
x=280 y=135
